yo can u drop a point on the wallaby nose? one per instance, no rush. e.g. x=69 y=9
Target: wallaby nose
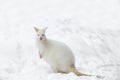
x=41 y=38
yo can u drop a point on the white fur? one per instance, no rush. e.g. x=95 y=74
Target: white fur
x=56 y=54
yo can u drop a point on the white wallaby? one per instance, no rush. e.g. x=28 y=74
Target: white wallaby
x=56 y=54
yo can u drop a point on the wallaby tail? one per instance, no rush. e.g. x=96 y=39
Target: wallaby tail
x=74 y=70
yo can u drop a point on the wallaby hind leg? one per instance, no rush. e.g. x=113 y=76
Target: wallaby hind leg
x=74 y=70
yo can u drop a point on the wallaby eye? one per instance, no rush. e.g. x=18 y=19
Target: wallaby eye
x=43 y=35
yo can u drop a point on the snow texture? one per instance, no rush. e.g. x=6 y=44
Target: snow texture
x=91 y=28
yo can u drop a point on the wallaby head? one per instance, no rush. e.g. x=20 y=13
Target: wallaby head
x=40 y=33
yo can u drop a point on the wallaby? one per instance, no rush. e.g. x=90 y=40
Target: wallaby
x=56 y=54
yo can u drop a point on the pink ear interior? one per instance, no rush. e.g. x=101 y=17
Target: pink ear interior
x=36 y=29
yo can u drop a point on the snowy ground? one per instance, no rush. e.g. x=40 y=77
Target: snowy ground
x=89 y=27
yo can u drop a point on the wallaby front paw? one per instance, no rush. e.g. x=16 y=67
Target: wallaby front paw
x=40 y=56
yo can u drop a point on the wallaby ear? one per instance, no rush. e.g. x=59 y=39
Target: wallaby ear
x=36 y=29
x=45 y=29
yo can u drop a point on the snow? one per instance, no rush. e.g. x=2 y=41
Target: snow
x=89 y=27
